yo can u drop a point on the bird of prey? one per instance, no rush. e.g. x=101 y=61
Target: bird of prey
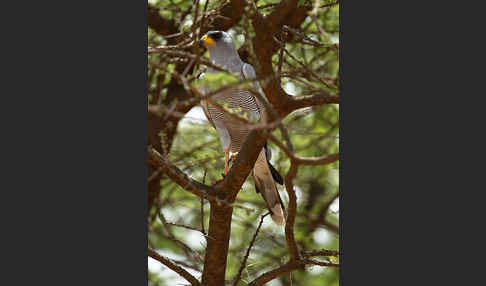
x=233 y=132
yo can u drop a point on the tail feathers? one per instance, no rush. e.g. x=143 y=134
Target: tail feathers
x=265 y=185
x=277 y=212
x=275 y=174
x=278 y=215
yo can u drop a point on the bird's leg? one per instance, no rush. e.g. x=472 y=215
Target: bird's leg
x=226 y=166
x=226 y=161
x=233 y=157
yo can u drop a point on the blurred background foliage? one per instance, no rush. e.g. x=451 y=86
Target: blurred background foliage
x=196 y=150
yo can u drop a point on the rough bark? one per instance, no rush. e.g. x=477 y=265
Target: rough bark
x=266 y=28
x=218 y=244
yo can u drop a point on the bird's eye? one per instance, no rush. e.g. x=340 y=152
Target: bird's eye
x=216 y=35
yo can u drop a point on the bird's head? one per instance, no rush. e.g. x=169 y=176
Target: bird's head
x=218 y=42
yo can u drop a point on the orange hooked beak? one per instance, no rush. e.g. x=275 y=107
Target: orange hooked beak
x=206 y=41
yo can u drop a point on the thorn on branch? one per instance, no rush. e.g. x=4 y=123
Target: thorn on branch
x=324 y=252
x=243 y=263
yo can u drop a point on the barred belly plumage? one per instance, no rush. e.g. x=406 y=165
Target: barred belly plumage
x=234 y=99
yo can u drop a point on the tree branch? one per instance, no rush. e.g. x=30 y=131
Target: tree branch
x=320 y=263
x=159 y=24
x=311 y=100
x=217 y=247
x=291 y=211
x=224 y=17
x=220 y=216
x=181 y=178
x=270 y=275
x=229 y=14
x=299 y=160
x=243 y=264
x=286 y=268
x=283 y=9
x=324 y=252
x=245 y=160
x=179 y=270
x=313 y=161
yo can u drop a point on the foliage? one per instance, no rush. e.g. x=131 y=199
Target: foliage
x=192 y=145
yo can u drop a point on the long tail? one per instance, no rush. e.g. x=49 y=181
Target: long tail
x=263 y=176
x=276 y=176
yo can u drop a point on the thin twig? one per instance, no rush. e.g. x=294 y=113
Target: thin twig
x=179 y=270
x=183 y=226
x=299 y=160
x=155 y=174
x=243 y=263
x=190 y=253
x=183 y=180
x=324 y=252
x=320 y=263
x=202 y=202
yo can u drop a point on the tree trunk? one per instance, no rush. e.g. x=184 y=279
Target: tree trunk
x=218 y=244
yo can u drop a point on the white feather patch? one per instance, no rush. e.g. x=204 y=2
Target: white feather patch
x=278 y=215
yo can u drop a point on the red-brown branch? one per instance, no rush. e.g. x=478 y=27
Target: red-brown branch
x=291 y=211
x=180 y=178
x=311 y=100
x=217 y=248
x=299 y=160
x=270 y=275
x=286 y=268
x=176 y=268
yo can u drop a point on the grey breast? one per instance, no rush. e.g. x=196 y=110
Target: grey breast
x=235 y=98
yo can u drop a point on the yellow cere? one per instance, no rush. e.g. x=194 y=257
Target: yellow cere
x=207 y=40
